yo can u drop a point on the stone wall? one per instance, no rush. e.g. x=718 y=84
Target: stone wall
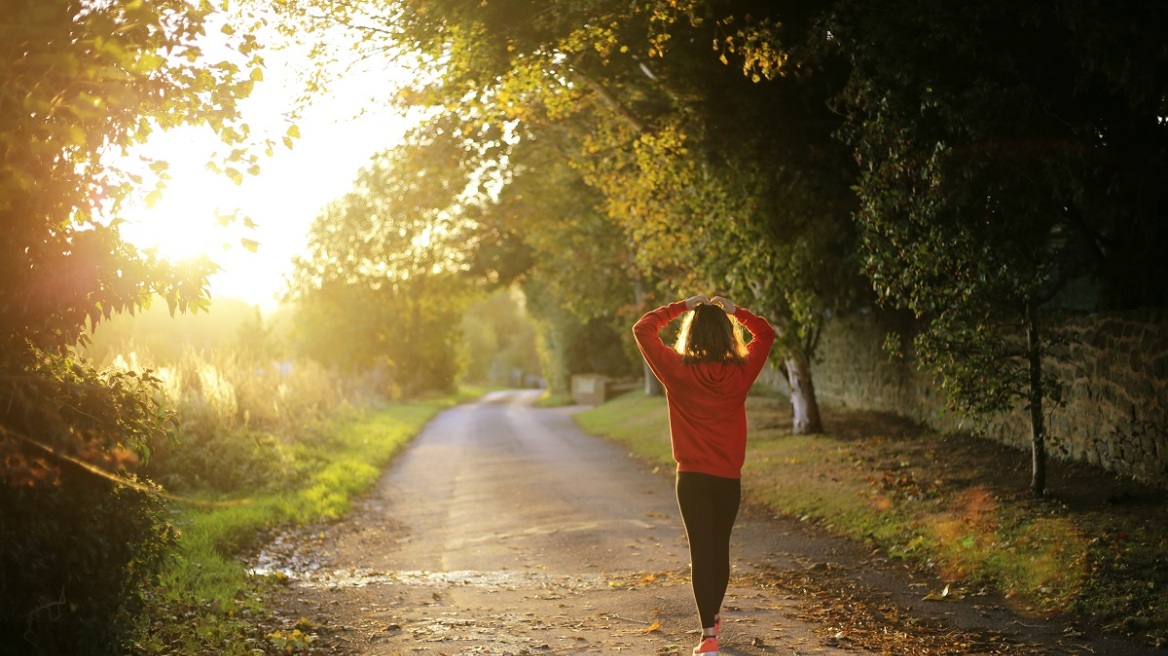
x=1114 y=367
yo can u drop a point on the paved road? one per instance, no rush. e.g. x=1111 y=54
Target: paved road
x=504 y=529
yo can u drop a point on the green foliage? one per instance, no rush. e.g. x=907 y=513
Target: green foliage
x=79 y=552
x=617 y=136
x=977 y=198
x=499 y=341
x=405 y=332
x=569 y=344
x=77 y=542
x=234 y=414
x=579 y=277
x=75 y=559
x=245 y=428
x=79 y=83
x=980 y=202
x=997 y=165
x=382 y=286
x=577 y=253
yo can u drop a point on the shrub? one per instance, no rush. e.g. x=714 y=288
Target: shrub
x=239 y=419
x=75 y=546
x=73 y=560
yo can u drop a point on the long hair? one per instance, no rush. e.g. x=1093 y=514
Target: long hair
x=708 y=334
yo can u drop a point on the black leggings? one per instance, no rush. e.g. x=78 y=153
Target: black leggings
x=708 y=506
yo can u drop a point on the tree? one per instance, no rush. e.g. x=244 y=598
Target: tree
x=995 y=144
x=718 y=181
x=580 y=280
x=79 y=82
x=749 y=197
x=500 y=340
x=384 y=282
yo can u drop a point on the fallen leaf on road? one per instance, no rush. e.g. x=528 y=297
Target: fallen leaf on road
x=944 y=595
x=655 y=626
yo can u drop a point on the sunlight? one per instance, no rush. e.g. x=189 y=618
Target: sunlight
x=183 y=222
x=338 y=134
x=200 y=213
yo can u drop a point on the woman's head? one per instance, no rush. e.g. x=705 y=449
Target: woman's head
x=708 y=334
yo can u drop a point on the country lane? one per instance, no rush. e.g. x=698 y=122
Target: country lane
x=505 y=529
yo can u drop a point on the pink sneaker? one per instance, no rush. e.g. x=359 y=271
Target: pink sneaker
x=708 y=647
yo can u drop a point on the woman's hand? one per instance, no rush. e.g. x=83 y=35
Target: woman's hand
x=725 y=304
x=694 y=301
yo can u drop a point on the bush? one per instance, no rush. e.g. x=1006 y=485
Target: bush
x=240 y=420
x=75 y=546
x=224 y=463
x=73 y=561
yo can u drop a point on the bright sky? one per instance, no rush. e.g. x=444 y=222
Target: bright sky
x=293 y=186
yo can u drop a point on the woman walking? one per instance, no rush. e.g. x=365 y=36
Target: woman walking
x=707 y=375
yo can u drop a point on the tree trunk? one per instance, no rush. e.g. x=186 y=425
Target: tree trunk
x=1037 y=422
x=804 y=405
x=653 y=387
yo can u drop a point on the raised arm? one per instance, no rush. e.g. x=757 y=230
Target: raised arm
x=646 y=331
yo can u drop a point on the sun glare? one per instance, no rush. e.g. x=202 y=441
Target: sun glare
x=198 y=213
x=339 y=133
x=184 y=222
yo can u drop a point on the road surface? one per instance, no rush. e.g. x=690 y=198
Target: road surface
x=504 y=529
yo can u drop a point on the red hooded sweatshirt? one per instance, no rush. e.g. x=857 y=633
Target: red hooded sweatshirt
x=707 y=400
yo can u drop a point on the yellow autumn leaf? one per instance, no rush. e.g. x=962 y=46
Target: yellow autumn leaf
x=944 y=595
x=655 y=626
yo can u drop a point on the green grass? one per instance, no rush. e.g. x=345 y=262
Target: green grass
x=636 y=420
x=206 y=600
x=907 y=495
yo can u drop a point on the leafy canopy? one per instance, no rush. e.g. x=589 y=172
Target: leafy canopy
x=383 y=286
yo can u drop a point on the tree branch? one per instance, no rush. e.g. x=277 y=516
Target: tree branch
x=112 y=477
x=609 y=99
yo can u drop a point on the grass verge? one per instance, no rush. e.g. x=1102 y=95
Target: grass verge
x=958 y=506
x=206 y=602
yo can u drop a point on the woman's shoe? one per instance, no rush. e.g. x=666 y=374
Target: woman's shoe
x=708 y=647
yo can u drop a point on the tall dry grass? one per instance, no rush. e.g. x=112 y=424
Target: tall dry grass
x=239 y=419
